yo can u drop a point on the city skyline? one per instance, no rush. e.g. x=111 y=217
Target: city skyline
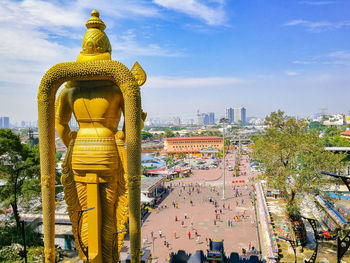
x=203 y=55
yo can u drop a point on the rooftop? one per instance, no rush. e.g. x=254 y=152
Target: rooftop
x=346 y=133
x=193 y=138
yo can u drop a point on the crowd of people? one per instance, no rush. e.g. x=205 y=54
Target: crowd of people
x=234 y=211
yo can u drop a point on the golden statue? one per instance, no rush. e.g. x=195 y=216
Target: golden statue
x=101 y=178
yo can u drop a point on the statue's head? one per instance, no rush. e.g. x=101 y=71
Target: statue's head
x=96 y=44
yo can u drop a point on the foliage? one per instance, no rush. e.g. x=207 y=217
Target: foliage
x=14 y=253
x=170 y=160
x=161 y=128
x=13 y=155
x=58 y=156
x=146 y=135
x=11 y=234
x=181 y=155
x=176 y=128
x=11 y=253
x=332 y=138
x=211 y=133
x=292 y=156
x=169 y=133
x=315 y=125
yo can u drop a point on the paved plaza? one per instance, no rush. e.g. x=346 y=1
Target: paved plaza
x=196 y=214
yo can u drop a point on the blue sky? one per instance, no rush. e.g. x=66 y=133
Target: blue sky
x=198 y=54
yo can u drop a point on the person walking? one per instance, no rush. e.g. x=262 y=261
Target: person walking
x=182 y=223
x=185 y=215
x=160 y=233
x=189 y=235
x=174 y=234
x=175 y=218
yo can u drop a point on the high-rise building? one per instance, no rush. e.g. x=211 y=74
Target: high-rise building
x=176 y=121
x=229 y=115
x=4 y=123
x=205 y=118
x=198 y=118
x=239 y=115
x=211 y=118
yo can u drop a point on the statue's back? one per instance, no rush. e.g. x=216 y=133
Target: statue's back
x=97 y=107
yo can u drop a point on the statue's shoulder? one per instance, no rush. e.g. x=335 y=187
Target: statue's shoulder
x=66 y=92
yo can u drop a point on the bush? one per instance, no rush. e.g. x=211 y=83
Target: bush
x=11 y=253
x=10 y=235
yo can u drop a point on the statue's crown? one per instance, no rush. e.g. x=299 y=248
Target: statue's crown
x=95 y=21
x=95 y=40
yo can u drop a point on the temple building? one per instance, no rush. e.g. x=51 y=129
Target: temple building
x=206 y=147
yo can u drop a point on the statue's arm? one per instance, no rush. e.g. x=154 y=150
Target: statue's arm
x=63 y=114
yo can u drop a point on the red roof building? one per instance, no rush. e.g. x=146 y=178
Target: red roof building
x=346 y=134
x=192 y=145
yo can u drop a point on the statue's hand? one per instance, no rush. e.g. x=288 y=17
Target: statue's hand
x=120 y=136
x=143 y=115
x=72 y=136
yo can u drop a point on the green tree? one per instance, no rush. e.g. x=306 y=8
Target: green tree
x=332 y=138
x=291 y=157
x=146 y=135
x=19 y=184
x=169 y=133
x=181 y=155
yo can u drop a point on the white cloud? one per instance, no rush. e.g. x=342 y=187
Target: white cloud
x=292 y=73
x=38 y=34
x=304 y=62
x=318 y=26
x=213 y=16
x=130 y=9
x=317 y=2
x=166 y=82
x=126 y=44
x=340 y=57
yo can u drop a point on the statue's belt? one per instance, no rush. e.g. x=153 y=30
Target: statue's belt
x=93 y=155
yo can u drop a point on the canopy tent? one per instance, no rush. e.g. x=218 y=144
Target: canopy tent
x=145 y=199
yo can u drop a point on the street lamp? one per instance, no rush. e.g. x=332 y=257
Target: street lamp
x=223 y=121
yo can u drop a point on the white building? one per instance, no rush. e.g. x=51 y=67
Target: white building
x=229 y=115
x=239 y=115
x=176 y=121
x=334 y=119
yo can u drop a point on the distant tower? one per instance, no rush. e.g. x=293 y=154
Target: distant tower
x=198 y=118
x=6 y=122
x=176 y=121
x=229 y=115
x=239 y=115
x=211 y=118
x=205 y=118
